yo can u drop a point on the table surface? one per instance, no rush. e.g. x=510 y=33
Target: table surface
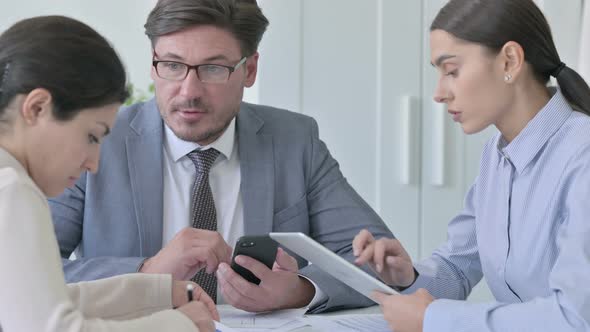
x=370 y=310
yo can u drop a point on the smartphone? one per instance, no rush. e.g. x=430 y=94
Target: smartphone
x=260 y=247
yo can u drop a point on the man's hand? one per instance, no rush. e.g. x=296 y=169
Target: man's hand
x=280 y=288
x=189 y=251
x=404 y=313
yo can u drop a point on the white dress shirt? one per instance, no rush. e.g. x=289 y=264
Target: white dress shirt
x=224 y=179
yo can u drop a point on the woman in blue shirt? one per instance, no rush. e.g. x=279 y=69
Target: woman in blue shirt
x=525 y=225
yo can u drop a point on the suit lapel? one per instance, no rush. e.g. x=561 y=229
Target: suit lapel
x=257 y=172
x=144 y=158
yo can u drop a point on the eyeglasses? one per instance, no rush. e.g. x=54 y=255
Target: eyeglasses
x=207 y=73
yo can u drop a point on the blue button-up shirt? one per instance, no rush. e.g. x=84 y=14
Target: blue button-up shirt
x=525 y=227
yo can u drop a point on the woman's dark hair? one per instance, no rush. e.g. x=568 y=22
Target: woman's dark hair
x=242 y=18
x=68 y=58
x=493 y=23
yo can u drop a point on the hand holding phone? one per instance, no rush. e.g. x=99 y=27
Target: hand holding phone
x=260 y=247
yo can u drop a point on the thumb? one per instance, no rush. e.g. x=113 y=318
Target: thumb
x=378 y=297
x=285 y=261
x=424 y=293
x=191 y=272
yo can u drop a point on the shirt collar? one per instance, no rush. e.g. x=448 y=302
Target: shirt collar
x=178 y=148
x=523 y=149
x=8 y=160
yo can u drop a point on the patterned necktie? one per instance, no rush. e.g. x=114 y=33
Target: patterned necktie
x=203 y=210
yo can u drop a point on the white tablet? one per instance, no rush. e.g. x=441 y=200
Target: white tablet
x=335 y=265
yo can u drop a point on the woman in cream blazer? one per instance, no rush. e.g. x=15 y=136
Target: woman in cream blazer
x=60 y=87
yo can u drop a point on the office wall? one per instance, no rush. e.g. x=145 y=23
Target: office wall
x=120 y=21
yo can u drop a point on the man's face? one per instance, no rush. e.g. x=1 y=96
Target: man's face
x=196 y=111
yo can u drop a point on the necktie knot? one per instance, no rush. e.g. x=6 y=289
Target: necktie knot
x=203 y=159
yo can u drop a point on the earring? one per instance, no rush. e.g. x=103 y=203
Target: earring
x=507 y=77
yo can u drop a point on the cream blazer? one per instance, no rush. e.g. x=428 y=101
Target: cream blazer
x=33 y=292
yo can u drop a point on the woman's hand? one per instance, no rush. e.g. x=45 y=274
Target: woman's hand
x=386 y=257
x=199 y=313
x=180 y=298
x=404 y=313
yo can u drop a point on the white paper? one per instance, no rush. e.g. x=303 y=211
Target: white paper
x=222 y=328
x=348 y=323
x=293 y=325
x=236 y=318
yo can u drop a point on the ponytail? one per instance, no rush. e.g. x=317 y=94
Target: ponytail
x=573 y=87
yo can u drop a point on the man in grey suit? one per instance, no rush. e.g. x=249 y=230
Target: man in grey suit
x=268 y=171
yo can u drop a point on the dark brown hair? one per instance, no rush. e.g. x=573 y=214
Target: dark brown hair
x=242 y=18
x=493 y=23
x=68 y=58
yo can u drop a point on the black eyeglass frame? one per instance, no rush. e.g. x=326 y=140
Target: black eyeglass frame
x=230 y=69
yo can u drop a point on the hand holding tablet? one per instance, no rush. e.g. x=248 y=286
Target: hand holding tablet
x=333 y=264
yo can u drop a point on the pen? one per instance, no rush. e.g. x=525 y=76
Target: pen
x=189 y=294
x=189 y=291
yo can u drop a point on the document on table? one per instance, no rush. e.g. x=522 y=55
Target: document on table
x=348 y=323
x=293 y=325
x=222 y=328
x=236 y=318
